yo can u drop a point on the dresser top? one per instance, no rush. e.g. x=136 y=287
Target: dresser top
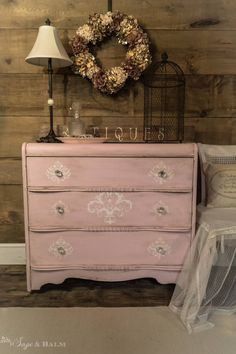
x=110 y=150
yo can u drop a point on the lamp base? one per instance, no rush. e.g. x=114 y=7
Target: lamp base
x=50 y=138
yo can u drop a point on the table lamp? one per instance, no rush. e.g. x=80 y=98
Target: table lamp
x=48 y=51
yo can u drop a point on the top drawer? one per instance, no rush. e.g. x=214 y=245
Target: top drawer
x=91 y=173
x=110 y=150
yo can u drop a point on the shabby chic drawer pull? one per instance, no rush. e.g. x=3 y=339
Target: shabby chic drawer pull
x=60 y=210
x=61 y=251
x=161 y=250
x=59 y=173
x=60 y=248
x=161 y=210
x=162 y=174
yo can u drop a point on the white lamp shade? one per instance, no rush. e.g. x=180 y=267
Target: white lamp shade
x=48 y=45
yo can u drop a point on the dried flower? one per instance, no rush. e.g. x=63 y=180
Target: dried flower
x=99 y=80
x=85 y=32
x=106 y=19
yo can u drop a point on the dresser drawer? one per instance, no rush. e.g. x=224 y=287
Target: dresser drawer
x=98 y=209
x=113 y=173
x=73 y=248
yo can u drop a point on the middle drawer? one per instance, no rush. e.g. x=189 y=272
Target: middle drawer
x=109 y=209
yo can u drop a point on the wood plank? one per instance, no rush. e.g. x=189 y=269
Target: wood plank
x=181 y=14
x=18 y=44
x=210 y=96
x=21 y=43
x=197 y=52
x=63 y=13
x=15 y=130
x=205 y=96
x=27 y=128
x=11 y=207
x=79 y=292
x=162 y=14
x=11 y=214
x=12 y=233
x=10 y=171
x=26 y=95
x=233 y=130
x=93 y=102
x=212 y=130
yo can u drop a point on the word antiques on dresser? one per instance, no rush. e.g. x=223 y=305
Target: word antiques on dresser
x=121 y=134
x=108 y=211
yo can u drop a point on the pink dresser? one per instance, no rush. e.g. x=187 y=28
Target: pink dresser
x=108 y=211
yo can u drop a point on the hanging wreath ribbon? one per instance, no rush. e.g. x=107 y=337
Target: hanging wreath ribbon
x=128 y=33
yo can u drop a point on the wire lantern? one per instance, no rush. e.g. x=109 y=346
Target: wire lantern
x=164 y=97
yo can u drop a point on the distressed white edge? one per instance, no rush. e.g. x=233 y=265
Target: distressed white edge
x=12 y=253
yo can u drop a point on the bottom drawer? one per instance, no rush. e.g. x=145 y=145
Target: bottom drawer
x=67 y=249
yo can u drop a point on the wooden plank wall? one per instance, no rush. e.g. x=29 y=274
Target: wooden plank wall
x=197 y=34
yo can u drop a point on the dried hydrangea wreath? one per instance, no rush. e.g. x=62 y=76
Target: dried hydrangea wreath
x=128 y=32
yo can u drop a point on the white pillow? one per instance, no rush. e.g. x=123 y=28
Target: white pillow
x=220 y=185
x=219 y=155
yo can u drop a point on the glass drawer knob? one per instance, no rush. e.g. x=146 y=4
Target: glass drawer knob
x=60 y=210
x=61 y=250
x=161 y=250
x=161 y=210
x=58 y=173
x=162 y=174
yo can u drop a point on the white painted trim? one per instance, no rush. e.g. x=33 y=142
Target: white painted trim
x=12 y=253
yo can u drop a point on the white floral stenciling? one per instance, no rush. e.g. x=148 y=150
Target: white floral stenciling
x=159 y=249
x=59 y=208
x=60 y=248
x=110 y=206
x=160 y=209
x=161 y=173
x=57 y=172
